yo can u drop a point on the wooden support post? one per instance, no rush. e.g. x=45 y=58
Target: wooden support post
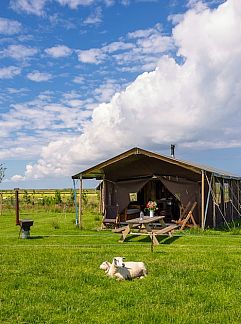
x=100 y=198
x=224 y=203
x=214 y=203
x=231 y=192
x=238 y=195
x=80 y=202
x=203 y=203
x=103 y=194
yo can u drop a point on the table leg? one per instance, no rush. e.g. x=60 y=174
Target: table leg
x=124 y=234
x=147 y=227
x=154 y=239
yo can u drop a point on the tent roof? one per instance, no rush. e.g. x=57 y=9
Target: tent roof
x=137 y=162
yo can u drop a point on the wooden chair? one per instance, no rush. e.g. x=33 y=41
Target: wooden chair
x=186 y=218
x=111 y=217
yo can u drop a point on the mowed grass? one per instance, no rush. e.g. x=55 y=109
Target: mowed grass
x=54 y=277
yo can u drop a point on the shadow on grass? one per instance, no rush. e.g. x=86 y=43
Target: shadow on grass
x=162 y=239
x=37 y=237
x=143 y=239
x=170 y=240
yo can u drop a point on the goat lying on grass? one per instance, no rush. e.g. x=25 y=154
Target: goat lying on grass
x=124 y=270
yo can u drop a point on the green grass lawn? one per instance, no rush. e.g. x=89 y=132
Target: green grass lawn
x=54 y=277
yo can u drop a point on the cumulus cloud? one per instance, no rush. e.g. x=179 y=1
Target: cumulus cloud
x=19 y=52
x=95 y=17
x=58 y=51
x=195 y=102
x=141 y=48
x=94 y=55
x=36 y=7
x=73 y=4
x=37 y=76
x=9 y=27
x=29 y=6
x=9 y=72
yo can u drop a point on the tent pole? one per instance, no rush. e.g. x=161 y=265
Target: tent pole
x=80 y=201
x=203 y=203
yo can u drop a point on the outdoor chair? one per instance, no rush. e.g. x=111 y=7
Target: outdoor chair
x=186 y=218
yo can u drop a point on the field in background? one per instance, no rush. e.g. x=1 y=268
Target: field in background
x=54 y=277
x=50 y=199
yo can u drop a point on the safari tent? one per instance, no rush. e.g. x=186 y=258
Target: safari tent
x=129 y=180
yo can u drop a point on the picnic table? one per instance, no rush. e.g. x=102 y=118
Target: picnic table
x=144 y=226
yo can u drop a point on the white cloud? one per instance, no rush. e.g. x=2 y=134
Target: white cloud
x=9 y=72
x=39 y=76
x=59 y=51
x=93 y=56
x=105 y=91
x=95 y=17
x=19 y=52
x=17 y=91
x=194 y=103
x=117 y=46
x=29 y=6
x=9 y=27
x=142 y=47
x=39 y=121
x=17 y=178
x=73 y=4
x=79 y=79
x=36 y=7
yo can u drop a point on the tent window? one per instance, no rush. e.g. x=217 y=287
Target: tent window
x=226 y=192
x=218 y=192
x=133 y=196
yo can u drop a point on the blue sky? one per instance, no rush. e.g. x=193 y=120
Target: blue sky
x=83 y=80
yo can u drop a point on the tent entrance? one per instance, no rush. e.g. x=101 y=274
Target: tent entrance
x=167 y=203
x=140 y=193
x=171 y=194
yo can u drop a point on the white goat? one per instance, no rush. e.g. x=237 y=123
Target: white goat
x=126 y=270
x=105 y=266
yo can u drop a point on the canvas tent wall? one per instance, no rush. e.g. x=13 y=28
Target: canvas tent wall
x=131 y=170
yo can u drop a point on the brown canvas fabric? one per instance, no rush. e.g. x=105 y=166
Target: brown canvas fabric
x=117 y=193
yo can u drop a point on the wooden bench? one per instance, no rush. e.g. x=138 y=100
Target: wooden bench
x=120 y=229
x=166 y=230
x=123 y=228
